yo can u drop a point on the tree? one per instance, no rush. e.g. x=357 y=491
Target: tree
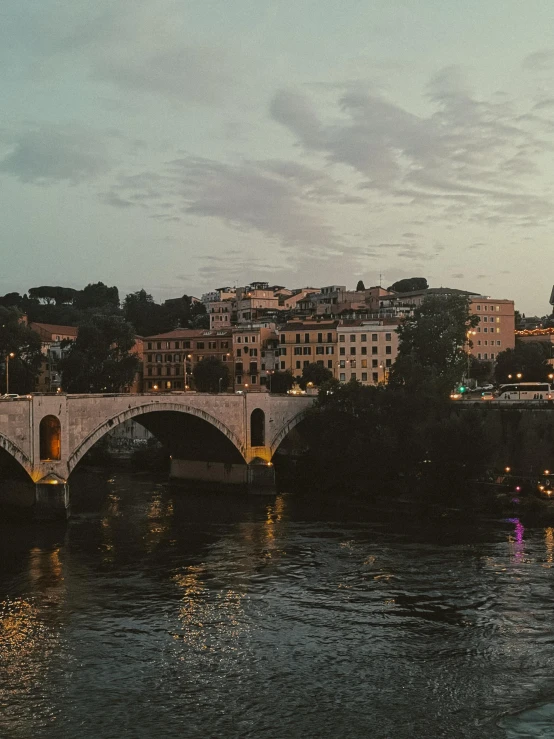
x=530 y=359
x=480 y=370
x=147 y=316
x=432 y=344
x=101 y=358
x=281 y=382
x=18 y=339
x=210 y=375
x=360 y=286
x=316 y=374
x=97 y=295
x=409 y=284
x=49 y=294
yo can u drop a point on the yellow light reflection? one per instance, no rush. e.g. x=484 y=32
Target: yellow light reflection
x=549 y=544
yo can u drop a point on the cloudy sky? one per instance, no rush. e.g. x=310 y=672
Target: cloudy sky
x=180 y=145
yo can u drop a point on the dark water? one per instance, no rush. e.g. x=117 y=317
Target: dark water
x=152 y=615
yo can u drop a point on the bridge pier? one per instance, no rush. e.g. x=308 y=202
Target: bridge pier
x=51 y=498
x=252 y=478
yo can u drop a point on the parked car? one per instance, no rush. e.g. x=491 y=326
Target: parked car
x=487 y=395
x=9 y=396
x=488 y=387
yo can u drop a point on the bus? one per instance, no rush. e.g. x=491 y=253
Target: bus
x=526 y=391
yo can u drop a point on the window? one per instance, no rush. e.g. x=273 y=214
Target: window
x=246 y=339
x=485 y=356
x=307 y=350
x=320 y=362
x=352 y=375
x=149 y=345
x=177 y=344
x=253 y=379
x=212 y=344
x=364 y=349
x=149 y=358
x=149 y=373
x=388 y=337
x=363 y=337
x=374 y=350
x=485 y=319
x=342 y=363
x=298 y=365
x=283 y=339
x=254 y=352
x=187 y=344
x=320 y=338
x=352 y=350
x=319 y=350
x=297 y=350
x=158 y=345
x=283 y=365
x=388 y=350
x=306 y=338
x=497 y=307
x=375 y=377
x=159 y=371
x=306 y=364
x=298 y=338
x=373 y=337
x=498 y=343
x=168 y=357
x=330 y=364
x=239 y=339
x=158 y=357
x=342 y=351
x=388 y=362
x=239 y=380
x=342 y=338
x=246 y=350
x=199 y=344
x=329 y=350
x=492 y=355
x=498 y=319
x=497 y=330
x=239 y=352
x=353 y=363
x=352 y=337
x=342 y=377
x=374 y=363
x=329 y=337
x=478 y=307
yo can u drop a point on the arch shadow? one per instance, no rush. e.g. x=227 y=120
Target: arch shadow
x=278 y=438
x=110 y=423
x=14 y=451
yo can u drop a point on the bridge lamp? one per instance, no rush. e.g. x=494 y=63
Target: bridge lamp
x=519 y=375
x=507 y=469
x=547 y=472
x=155 y=387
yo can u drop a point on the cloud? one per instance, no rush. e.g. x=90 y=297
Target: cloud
x=462 y=160
x=134 y=45
x=46 y=153
x=283 y=200
x=539 y=61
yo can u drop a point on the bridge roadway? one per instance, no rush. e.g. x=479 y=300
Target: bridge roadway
x=49 y=434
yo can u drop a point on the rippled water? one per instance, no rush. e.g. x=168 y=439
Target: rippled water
x=160 y=615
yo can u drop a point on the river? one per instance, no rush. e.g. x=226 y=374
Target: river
x=158 y=615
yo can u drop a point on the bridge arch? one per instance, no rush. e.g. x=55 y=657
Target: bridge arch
x=50 y=435
x=17 y=454
x=280 y=435
x=110 y=423
x=257 y=427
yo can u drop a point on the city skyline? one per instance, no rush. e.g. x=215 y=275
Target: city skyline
x=148 y=144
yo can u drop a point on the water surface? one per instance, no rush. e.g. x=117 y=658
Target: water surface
x=159 y=615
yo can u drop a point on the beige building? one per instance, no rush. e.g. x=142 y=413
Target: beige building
x=220 y=314
x=254 y=352
x=304 y=342
x=51 y=337
x=366 y=351
x=495 y=331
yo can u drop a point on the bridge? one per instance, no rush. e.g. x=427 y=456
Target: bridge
x=220 y=438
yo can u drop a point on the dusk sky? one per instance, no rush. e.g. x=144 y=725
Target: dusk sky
x=181 y=146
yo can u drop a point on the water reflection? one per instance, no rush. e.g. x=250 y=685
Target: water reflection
x=186 y=615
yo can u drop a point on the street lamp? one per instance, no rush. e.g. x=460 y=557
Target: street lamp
x=219 y=383
x=187 y=357
x=269 y=375
x=519 y=375
x=9 y=356
x=468 y=335
x=382 y=366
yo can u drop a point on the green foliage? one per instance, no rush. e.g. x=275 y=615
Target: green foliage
x=150 y=318
x=431 y=349
x=25 y=344
x=360 y=286
x=210 y=375
x=479 y=370
x=100 y=360
x=409 y=284
x=49 y=294
x=98 y=296
x=281 y=382
x=361 y=438
x=316 y=374
x=528 y=358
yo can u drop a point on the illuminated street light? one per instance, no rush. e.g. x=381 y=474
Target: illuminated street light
x=9 y=356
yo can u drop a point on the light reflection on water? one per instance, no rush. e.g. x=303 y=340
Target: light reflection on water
x=155 y=615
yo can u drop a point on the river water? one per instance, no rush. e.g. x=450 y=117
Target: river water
x=154 y=614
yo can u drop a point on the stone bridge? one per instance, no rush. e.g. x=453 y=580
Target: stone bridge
x=49 y=434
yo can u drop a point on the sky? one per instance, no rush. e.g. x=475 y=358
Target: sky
x=185 y=145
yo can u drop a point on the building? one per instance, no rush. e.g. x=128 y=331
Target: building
x=366 y=351
x=495 y=331
x=169 y=358
x=220 y=313
x=544 y=336
x=255 y=353
x=255 y=301
x=303 y=342
x=52 y=339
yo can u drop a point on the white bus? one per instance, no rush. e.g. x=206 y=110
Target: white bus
x=526 y=391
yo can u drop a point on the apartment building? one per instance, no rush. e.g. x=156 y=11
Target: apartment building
x=303 y=342
x=169 y=358
x=254 y=351
x=51 y=337
x=366 y=351
x=220 y=313
x=495 y=331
